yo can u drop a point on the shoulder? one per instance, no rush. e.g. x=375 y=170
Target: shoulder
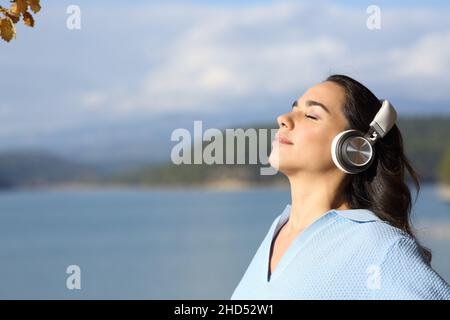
x=404 y=271
x=379 y=237
x=365 y=224
x=407 y=274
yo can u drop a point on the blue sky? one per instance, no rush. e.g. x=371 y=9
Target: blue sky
x=138 y=69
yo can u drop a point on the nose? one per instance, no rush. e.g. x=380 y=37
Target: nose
x=285 y=122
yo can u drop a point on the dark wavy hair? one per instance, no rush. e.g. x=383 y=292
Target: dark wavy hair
x=382 y=188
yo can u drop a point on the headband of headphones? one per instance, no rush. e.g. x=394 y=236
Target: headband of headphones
x=383 y=121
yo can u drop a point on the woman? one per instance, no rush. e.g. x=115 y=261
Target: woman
x=344 y=236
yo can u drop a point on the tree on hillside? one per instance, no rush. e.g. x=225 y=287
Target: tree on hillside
x=19 y=9
x=444 y=167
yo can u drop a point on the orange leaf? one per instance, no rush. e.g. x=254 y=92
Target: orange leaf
x=7 y=29
x=34 y=5
x=28 y=19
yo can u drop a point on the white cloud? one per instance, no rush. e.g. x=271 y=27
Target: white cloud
x=201 y=72
x=94 y=100
x=276 y=49
x=213 y=61
x=428 y=57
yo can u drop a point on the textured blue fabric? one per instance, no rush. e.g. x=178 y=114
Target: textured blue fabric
x=345 y=254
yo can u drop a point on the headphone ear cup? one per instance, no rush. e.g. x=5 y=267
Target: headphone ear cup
x=351 y=152
x=336 y=146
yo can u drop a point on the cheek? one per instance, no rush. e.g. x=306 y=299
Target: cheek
x=313 y=139
x=314 y=146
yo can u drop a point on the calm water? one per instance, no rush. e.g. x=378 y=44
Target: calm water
x=153 y=244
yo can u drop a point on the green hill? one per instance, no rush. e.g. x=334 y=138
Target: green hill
x=444 y=167
x=423 y=139
x=34 y=168
x=426 y=141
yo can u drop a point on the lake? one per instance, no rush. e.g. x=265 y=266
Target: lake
x=154 y=244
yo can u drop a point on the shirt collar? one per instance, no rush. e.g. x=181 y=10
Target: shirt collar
x=358 y=215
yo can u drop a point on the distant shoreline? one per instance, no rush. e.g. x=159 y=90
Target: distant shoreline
x=228 y=185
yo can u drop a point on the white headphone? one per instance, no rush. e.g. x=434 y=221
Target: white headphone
x=352 y=151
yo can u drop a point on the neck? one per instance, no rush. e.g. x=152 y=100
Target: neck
x=311 y=197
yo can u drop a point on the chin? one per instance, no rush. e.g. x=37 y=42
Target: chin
x=274 y=160
x=278 y=164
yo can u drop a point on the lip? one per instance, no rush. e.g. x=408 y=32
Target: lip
x=280 y=138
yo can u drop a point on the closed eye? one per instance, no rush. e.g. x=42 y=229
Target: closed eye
x=311 y=117
x=306 y=115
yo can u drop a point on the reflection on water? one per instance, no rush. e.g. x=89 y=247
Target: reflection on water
x=153 y=244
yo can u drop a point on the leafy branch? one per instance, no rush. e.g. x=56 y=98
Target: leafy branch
x=18 y=9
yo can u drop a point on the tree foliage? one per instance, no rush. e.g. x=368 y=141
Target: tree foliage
x=18 y=10
x=444 y=167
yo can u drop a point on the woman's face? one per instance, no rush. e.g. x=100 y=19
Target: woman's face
x=304 y=139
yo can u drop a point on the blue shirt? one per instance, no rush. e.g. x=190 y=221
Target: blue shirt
x=345 y=254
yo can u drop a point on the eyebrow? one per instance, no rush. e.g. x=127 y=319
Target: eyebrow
x=310 y=103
